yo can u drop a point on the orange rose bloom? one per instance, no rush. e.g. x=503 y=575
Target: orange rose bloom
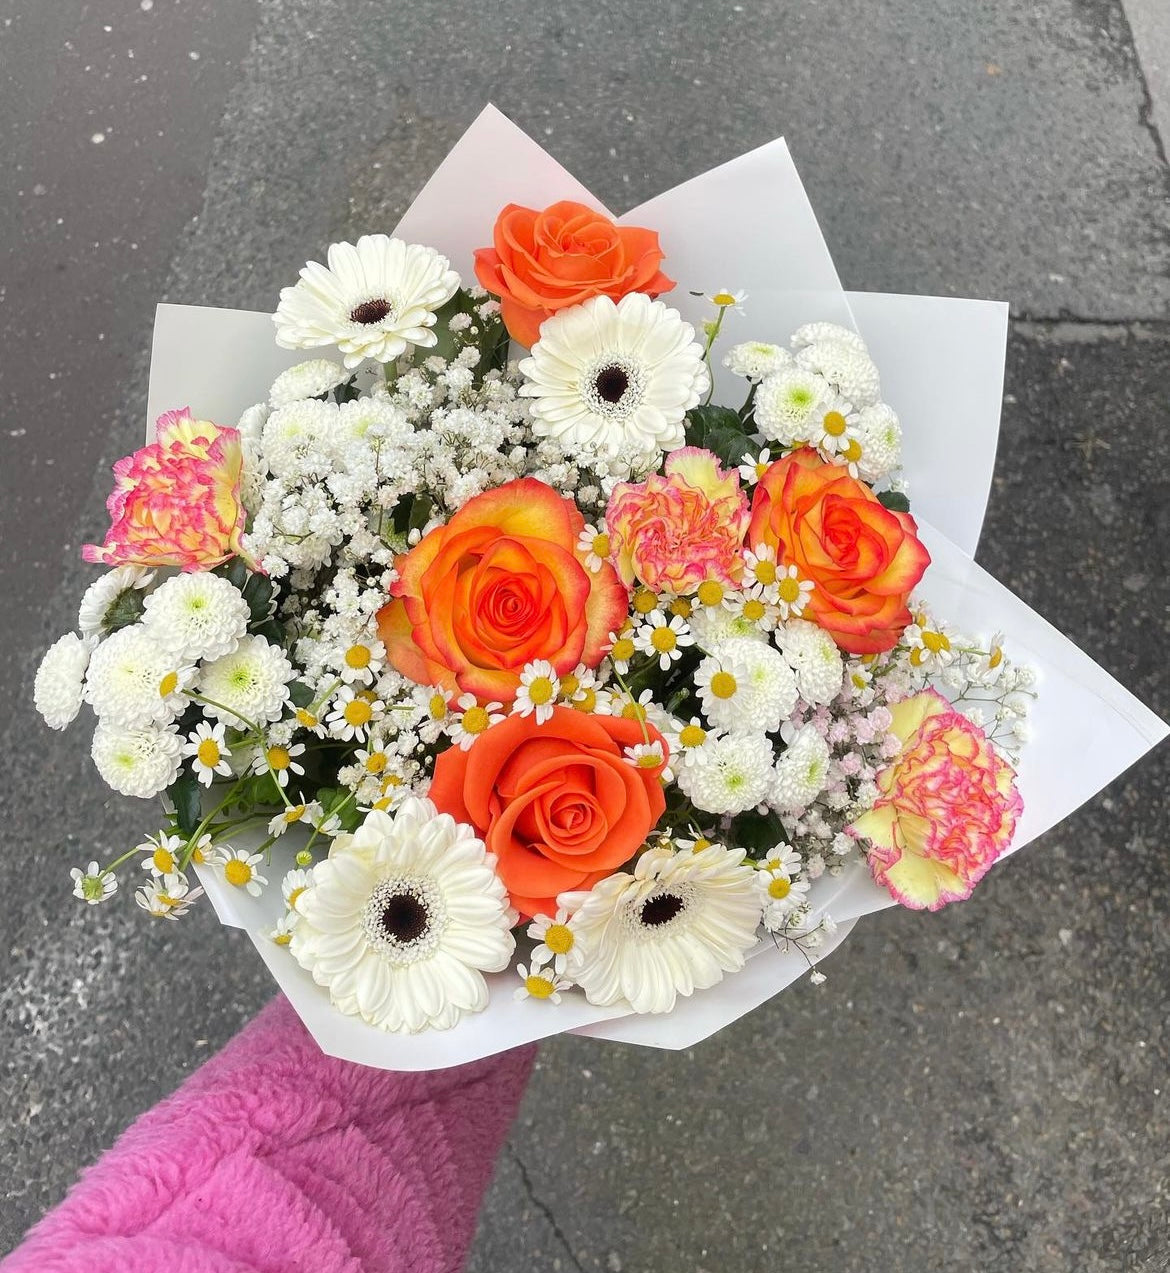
x=862 y=558
x=541 y=262
x=500 y=585
x=558 y=804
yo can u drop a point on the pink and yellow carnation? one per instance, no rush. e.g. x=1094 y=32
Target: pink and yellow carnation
x=678 y=529
x=947 y=808
x=176 y=502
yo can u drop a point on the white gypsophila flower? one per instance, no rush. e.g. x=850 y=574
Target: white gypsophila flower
x=801 y=771
x=746 y=687
x=311 y=379
x=247 y=686
x=59 y=685
x=675 y=926
x=756 y=359
x=196 y=615
x=103 y=595
x=374 y=299
x=136 y=762
x=728 y=773
x=94 y=884
x=851 y=371
x=617 y=377
x=403 y=918
x=132 y=681
x=301 y=437
x=787 y=403
x=879 y=434
x=813 y=655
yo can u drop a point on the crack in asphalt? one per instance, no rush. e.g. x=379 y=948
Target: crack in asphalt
x=542 y=1206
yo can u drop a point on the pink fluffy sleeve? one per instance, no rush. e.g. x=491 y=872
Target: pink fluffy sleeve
x=274 y=1158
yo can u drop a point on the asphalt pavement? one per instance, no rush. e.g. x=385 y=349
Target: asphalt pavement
x=985 y=1088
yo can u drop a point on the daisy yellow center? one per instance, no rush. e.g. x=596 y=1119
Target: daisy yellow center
x=936 y=642
x=649 y=760
x=358 y=712
x=278 y=758
x=208 y=753
x=765 y=571
x=538 y=987
x=754 y=609
x=163 y=860
x=682 y=607
x=391 y=781
x=710 y=592
x=540 y=690
x=789 y=589
x=437 y=707
x=587 y=702
x=475 y=720
x=996 y=657
x=357 y=656
x=700 y=844
x=559 y=939
x=916 y=656
x=375 y=762
x=779 y=887
x=761 y=469
x=569 y=685
x=852 y=451
x=664 y=640
x=633 y=711
x=600 y=545
x=835 y=424
x=723 y=685
x=859 y=681
x=237 y=872
x=692 y=735
x=165 y=899
x=306 y=718
x=168 y=685
x=644 y=601
x=292 y=897
x=283 y=939
x=623 y=650
x=723 y=299
x=383 y=802
x=197 y=856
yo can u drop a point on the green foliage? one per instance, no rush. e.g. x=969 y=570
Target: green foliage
x=756 y=832
x=125 y=610
x=718 y=429
x=185 y=794
x=895 y=501
x=300 y=693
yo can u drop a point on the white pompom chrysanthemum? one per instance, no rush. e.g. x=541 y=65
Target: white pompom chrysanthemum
x=311 y=379
x=196 y=615
x=746 y=687
x=297 y=430
x=58 y=689
x=756 y=359
x=100 y=602
x=711 y=626
x=821 y=333
x=787 y=404
x=801 y=772
x=403 y=918
x=374 y=299
x=133 y=681
x=137 y=762
x=249 y=685
x=879 y=434
x=850 y=370
x=813 y=655
x=675 y=926
x=728 y=773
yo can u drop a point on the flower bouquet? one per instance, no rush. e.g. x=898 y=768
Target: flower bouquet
x=553 y=645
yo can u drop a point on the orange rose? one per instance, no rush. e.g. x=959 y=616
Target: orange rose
x=559 y=804
x=545 y=261
x=862 y=558
x=500 y=585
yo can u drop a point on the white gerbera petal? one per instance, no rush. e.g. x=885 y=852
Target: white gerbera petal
x=676 y=925
x=615 y=377
x=58 y=688
x=403 y=918
x=374 y=299
x=137 y=762
x=196 y=615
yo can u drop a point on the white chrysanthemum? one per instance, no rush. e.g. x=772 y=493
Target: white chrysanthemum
x=787 y=403
x=801 y=771
x=58 y=688
x=247 y=685
x=814 y=657
x=728 y=773
x=196 y=615
x=712 y=626
x=375 y=299
x=880 y=436
x=756 y=359
x=403 y=918
x=133 y=681
x=820 y=333
x=617 y=378
x=311 y=379
x=746 y=687
x=292 y=432
x=363 y=416
x=850 y=370
x=675 y=926
x=136 y=762
x=103 y=595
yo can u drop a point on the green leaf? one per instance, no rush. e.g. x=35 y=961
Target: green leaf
x=420 y=512
x=125 y=610
x=184 y=794
x=235 y=572
x=258 y=594
x=701 y=421
x=756 y=832
x=730 y=445
x=895 y=501
x=300 y=693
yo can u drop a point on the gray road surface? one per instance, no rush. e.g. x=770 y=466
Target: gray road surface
x=981 y=1089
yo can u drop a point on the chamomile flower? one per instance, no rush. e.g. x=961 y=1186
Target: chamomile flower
x=835 y=427
x=161 y=854
x=281 y=932
x=727 y=300
x=137 y=762
x=792 y=592
x=621 y=650
x=133 y=682
x=94 y=884
x=113 y=601
x=647 y=756
x=280 y=760
x=554 y=939
x=783 y=858
x=196 y=615
x=931 y=645
x=787 y=403
x=746 y=687
x=59 y=687
x=755 y=604
x=539 y=983
x=594 y=546
x=209 y=753
x=293 y=885
x=578 y=687
x=663 y=638
x=729 y=774
x=354 y=714
x=167 y=898
x=240 y=868
x=988 y=666
x=291 y=814
x=362 y=662
x=781 y=897
x=539 y=685
x=249 y=686
x=753 y=467
x=472 y=718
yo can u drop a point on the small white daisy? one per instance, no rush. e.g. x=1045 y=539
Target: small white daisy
x=293 y=885
x=539 y=983
x=239 y=868
x=161 y=854
x=94 y=884
x=539 y=686
x=59 y=686
x=280 y=761
x=647 y=756
x=781 y=898
x=686 y=739
x=782 y=857
x=291 y=814
x=354 y=715
x=621 y=651
x=755 y=604
x=281 y=932
x=207 y=747
x=472 y=719
x=792 y=593
x=664 y=639
x=168 y=898
x=593 y=546
x=835 y=427
x=728 y=300
x=362 y=662
x=753 y=467
x=554 y=939
x=931 y=645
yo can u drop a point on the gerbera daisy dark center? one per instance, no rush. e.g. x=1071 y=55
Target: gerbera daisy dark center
x=370 y=312
x=660 y=909
x=611 y=383
x=404 y=918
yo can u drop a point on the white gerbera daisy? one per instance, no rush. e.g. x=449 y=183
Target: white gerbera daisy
x=137 y=762
x=375 y=299
x=746 y=687
x=114 y=600
x=247 y=686
x=786 y=405
x=209 y=753
x=756 y=359
x=94 y=884
x=617 y=378
x=729 y=773
x=813 y=655
x=196 y=615
x=311 y=379
x=801 y=772
x=59 y=686
x=403 y=918
x=133 y=682
x=673 y=927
